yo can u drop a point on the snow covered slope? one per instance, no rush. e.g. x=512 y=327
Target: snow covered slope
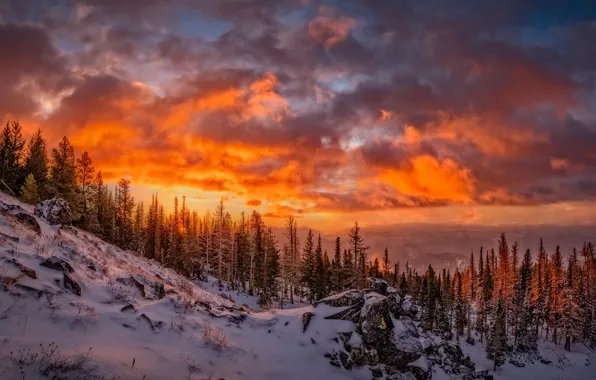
x=135 y=319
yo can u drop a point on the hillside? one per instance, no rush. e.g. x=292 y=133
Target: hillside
x=75 y=307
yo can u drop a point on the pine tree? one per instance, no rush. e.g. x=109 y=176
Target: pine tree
x=12 y=144
x=29 y=190
x=293 y=271
x=359 y=250
x=85 y=175
x=496 y=345
x=124 y=213
x=525 y=337
x=36 y=162
x=460 y=307
x=486 y=297
x=386 y=264
x=337 y=268
x=319 y=273
x=63 y=174
x=309 y=266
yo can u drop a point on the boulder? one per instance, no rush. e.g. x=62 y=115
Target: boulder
x=378 y=286
x=410 y=328
x=350 y=313
x=361 y=355
x=401 y=376
x=155 y=326
x=148 y=288
x=57 y=263
x=71 y=285
x=55 y=211
x=306 y=318
x=347 y=298
x=395 y=305
x=28 y=221
x=376 y=372
x=128 y=309
x=399 y=352
x=375 y=318
x=420 y=369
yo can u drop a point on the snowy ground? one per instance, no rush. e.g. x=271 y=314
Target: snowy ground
x=579 y=364
x=240 y=297
x=195 y=333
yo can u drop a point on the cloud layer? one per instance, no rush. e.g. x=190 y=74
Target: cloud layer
x=315 y=107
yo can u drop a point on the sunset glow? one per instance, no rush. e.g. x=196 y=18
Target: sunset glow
x=332 y=111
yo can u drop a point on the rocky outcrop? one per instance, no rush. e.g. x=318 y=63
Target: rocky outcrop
x=387 y=338
x=375 y=318
x=347 y=298
x=149 y=289
x=57 y=263
x=71 y=285
x=55 y=211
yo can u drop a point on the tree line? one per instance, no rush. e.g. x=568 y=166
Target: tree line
x=243 y=252
x=501 y=298
x=510 y=302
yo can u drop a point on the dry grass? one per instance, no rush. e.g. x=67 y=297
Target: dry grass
x=214 y=336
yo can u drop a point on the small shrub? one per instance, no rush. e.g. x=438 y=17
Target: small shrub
x=214 y=336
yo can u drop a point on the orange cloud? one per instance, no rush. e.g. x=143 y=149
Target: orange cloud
x=253 y=202
x=428 y=177
x=330 y=27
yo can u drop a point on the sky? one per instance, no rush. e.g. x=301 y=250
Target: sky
x=385 y=112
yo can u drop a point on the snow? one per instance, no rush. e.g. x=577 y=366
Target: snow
x=267 y=345
x=579 y=364
x=420 y=363
x=190 y=342
x=241 y=297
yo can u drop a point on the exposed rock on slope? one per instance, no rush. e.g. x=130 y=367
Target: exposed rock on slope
x=55 y=211
x=387 y=339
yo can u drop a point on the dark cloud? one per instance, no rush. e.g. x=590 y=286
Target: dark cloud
x=327 y=102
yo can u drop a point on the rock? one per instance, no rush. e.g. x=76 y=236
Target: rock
x=401 y=376
x=345 y=360
x=30 y=290
x=156 y=327
x=71 y=285
x=350 y=313
x=378 y=286
x=454 y=351
x=92 y=267
x=57 y=263
x=347 y=298
x=395 y=304
x=420 y=369
x=376 y=372
x=148 y=288
x=361 y=355
x=399 y=351
x=306 y=318
x=545 y=361
x=28 y=221
x=410 y=327
x=128 y=309
x=55 y=211
x=375 y=319
x=24 y=270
